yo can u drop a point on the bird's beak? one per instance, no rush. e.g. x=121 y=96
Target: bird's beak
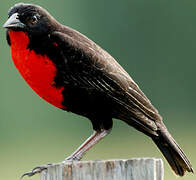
x=13 y=22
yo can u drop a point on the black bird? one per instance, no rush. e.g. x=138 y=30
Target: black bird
x=73 y=73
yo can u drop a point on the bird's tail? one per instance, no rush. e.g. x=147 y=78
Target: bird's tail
x=172 y=152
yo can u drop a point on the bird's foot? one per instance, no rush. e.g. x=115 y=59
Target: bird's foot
x=35 y=170
x=39 y=169
x=72 y=158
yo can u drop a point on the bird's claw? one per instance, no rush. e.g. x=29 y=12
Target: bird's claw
x=71 y=158
x=35 y=170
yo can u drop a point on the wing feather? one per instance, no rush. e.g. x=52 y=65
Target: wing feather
x=99 y=70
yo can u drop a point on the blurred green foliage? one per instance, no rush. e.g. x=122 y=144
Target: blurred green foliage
x=155 y=41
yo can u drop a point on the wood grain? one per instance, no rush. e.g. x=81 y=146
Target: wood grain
x=133 y=169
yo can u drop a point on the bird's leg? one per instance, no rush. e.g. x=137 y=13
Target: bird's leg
x=78 y=154
x=89 y=143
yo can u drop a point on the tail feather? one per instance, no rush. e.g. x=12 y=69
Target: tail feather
x=172 y=152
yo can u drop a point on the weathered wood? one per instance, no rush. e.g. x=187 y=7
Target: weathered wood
x=134 y=169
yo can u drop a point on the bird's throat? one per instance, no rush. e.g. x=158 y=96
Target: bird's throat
x=37 y=70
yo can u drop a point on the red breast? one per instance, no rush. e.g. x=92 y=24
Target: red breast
x=37 y=70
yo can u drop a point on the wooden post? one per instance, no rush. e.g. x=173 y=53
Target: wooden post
x=134 y=169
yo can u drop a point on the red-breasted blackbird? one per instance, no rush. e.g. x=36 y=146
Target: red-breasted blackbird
x=73 y=73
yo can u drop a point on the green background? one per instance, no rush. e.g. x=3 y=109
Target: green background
x=154 y=40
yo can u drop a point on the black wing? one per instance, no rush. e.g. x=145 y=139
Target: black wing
x=92 y=67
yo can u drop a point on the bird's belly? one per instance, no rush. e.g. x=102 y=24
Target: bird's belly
x=37 y=70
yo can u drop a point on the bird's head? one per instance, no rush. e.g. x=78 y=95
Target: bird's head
x=30 y=18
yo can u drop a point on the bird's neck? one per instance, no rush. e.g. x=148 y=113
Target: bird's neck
x=19 y=42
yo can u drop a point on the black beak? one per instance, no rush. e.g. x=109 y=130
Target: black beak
x=13 y=22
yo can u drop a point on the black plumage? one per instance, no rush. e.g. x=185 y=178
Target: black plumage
x=95 y=85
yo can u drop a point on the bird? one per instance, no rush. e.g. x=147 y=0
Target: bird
x=73 y=73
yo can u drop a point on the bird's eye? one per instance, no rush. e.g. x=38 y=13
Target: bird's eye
x=33 y=19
